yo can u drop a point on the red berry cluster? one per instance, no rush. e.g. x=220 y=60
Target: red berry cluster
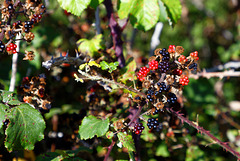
x=171 y=49
x=183 y=80
x=194 y=55
x=11 y=48
x=153 y=65
x=182 y=59
x=178 y=71
x=138 y=128
x=143 y=73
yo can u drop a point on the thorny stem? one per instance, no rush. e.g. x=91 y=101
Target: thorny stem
x=112 y=82
x=116 y=32
x=202 y=130
x=136 y=115
x=109 y=150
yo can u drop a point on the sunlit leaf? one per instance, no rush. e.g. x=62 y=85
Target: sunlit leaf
x=26 y=127
x=174 y=9
x=91 y=46
x=92 y=126
x=75 y=7
x=126 y=140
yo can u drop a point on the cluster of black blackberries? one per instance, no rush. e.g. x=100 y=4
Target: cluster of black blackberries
x=165 y=54
x=2 y=46
x=193 y=66
x=172 y=98
x=27 y=26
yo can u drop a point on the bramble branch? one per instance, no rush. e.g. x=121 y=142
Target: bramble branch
x=202 y=130
x=109 y=150
x=205 y=74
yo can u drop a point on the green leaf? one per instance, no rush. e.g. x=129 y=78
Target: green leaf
x=109 y=134
x=163 y=12
x=95 y=3
x=26 y=127
x=8 y=96
x=3 y=113
x=194 y=153
x=145 y=14
x=111 y=66
x=124 y=8
x=131 y=156
x=126 y=140
x=174 y=9
x=92 y=126
x=128 y=72
x=76 y=7
x=91 y=46
x=162 y=150
x=104 y=65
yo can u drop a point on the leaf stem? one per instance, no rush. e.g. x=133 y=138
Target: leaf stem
x=109 y=150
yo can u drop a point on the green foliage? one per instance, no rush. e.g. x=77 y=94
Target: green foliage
x=128 y=72
x=8 y=98
x=95 y=3
x=109 y=134
x=91 y=46
x=174 y=9
x=76 y=7
x=92 y=126
x=162 y=150
x=3 y=113
x=232 y=53
x=144 y=14
x=163 y=12
x=26 y=127
x=109 y=66
x=194 y=153
x=126 y=141
x=59 y=155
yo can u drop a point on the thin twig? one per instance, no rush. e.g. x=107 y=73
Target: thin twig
x=97 y=24
x=14 y=65
x=155 y=40
x=204 y=74
x=202 y=130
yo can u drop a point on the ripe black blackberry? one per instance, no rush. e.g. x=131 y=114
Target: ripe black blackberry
x=162 y=87
x=138 y=128
x=150 y=93
x=28 y=26
x=155 y=112
x=152 y=123
x=2 y=46
x=164 y=66
x=193 y=66
x=165 y=54
x=10 y=8
x=172 y=98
